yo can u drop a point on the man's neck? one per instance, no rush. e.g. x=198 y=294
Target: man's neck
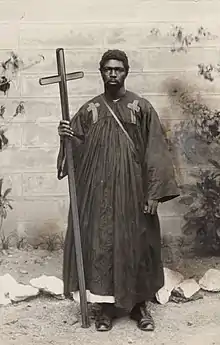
x=115 y=94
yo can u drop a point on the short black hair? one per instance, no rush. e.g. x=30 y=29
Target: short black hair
x=114 y=54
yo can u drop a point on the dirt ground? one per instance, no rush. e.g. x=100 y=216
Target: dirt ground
x=45 y=320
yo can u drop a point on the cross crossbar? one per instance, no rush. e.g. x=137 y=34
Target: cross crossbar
x=57 y=78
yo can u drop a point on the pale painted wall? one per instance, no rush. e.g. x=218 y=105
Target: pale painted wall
x=86 y=28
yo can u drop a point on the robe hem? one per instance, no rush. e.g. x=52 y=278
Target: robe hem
x=93 y=298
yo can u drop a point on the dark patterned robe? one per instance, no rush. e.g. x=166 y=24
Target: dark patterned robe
x=121 y=245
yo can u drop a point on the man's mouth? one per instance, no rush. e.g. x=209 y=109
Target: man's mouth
x=112 y=82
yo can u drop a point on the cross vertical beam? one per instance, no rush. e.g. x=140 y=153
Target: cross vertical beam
x=62 y=79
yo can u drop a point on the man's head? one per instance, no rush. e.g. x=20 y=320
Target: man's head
x=114 y=68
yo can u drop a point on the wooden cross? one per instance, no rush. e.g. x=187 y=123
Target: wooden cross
x=62 y=79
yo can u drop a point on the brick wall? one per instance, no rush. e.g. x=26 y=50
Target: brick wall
x=86 y=29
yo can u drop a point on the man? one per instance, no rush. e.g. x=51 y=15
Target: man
x=123 y=170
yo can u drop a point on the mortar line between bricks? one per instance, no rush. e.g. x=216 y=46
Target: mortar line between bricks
x=132 y=73
x=106 y=22
x=22 y=133
x=29 y=197
x=53 y=170
x=85 y=97
x=90 y=96
x=105 y=46
x=46 y=198
x=39 y=172
x=20 y=171
x=148 y=1
x=54 y=123
x=96 y=49
x=22 y=185
x=24 y=122
x=37 y=147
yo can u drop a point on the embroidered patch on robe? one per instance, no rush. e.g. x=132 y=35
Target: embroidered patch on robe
x=93 y=108
x=134 y=108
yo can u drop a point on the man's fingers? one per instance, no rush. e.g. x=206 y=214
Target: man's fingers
x=145 y=209
x=154 y=207
x=153 y=210
x=64 y=126
x=151 y=207
x=67 y=135
x=66 y=132
x=65 y=122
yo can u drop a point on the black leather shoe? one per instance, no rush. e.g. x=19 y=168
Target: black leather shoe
x=103 y=323
x=143 y=317
x=104 y=318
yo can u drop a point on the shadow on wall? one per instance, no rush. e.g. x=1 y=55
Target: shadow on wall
x=196 y=139
x=46 y=235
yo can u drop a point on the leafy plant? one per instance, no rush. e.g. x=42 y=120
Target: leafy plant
x=182 y=40
x=13 y=62
x=20 y=241
x=5 y=205
x=9 y=69
x=52 y=241
x=208 y=71
x=3 y=139
x=155 y=32
x=4 y=84
x=200 y=120
x=203 y=215
x=198 y=138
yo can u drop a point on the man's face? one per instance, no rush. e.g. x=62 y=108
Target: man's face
x=113 y=73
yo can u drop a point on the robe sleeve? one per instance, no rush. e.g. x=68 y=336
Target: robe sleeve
x=159 y=181
x=79 y=127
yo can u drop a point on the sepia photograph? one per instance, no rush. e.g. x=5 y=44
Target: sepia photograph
x=110 y=172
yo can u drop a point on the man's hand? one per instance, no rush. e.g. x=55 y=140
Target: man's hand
x=151 y=207
x=64 y=129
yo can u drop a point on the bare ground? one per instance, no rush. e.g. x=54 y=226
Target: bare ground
x=45 y=320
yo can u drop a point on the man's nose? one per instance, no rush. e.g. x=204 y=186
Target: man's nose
x=113 y=73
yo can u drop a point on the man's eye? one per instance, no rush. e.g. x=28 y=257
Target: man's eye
x=117 y=69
